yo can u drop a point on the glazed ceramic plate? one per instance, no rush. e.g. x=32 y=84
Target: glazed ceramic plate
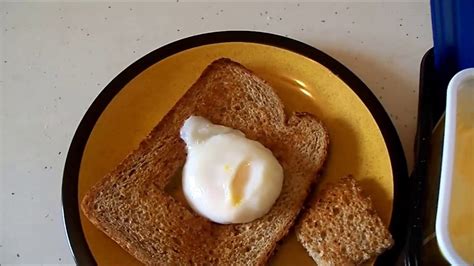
x=363 y=140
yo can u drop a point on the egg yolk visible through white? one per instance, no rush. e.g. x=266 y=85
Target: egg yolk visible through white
x=228 y=178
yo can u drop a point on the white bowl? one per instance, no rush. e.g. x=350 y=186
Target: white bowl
x=462 y=82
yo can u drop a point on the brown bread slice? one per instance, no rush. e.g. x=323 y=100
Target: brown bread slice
x=131 y=206
x=341 y=226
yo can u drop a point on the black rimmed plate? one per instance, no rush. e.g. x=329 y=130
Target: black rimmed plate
x=364 y=142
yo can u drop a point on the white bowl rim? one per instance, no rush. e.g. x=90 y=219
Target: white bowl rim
x=444 y=199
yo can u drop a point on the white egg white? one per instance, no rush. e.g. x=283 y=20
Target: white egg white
x=228 y=178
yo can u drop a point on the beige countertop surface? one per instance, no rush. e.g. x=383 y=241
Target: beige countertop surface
x=57 y=57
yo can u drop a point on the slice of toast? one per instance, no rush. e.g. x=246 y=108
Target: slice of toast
x=341 y=226
x=131 y=206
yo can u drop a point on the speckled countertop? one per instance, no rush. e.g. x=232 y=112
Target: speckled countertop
x=57 y=57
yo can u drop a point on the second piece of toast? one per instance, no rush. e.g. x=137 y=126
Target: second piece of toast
x=341 y=226
x=131 y=206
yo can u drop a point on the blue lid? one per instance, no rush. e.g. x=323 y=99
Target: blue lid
x=453 y=36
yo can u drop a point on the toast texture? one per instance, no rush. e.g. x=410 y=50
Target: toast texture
x=131 y=206
x=341 y=226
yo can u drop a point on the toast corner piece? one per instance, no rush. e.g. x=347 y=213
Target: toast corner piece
x=341 y=226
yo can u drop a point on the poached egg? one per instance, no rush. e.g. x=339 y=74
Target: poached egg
x=228 y=178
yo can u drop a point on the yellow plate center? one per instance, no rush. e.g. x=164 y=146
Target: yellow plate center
x=356 y=144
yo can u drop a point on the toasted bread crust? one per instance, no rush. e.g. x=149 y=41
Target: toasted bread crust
x=130 y=205
x=341 y=226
